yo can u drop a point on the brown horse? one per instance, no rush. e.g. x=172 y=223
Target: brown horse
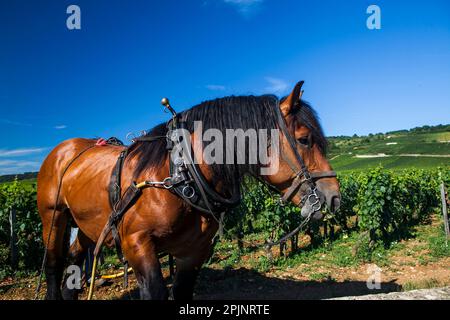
x=160 y=221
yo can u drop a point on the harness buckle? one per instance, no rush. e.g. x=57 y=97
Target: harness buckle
x=167 y=183
x=307 y=175
x=188 y=192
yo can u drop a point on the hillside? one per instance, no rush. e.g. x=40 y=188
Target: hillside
x=29 y=176
x=423 y=147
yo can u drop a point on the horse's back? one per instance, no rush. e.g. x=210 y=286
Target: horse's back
x=75 y=158
x=52 y=167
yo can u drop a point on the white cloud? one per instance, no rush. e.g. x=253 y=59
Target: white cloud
x=244 y=7
x=276 y=86
x=215 y=87
x=60 y=127
x=20 y=152
x=17 y=163
x=17 y=166
x=7 y=163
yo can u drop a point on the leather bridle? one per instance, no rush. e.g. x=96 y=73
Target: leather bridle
x=302 y=174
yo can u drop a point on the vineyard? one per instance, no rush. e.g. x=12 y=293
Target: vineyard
x=380 y=205
x=379 y=209
x=21 y=246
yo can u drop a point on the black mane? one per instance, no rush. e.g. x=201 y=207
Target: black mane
x=233 y=112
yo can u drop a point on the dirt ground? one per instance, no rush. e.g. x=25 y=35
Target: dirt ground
x=405 y=271
x=248 y=284
x=289 y=284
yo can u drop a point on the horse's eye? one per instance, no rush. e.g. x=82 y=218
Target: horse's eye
x=304 y=141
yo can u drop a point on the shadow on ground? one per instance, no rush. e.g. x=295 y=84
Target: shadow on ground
x=246 y=284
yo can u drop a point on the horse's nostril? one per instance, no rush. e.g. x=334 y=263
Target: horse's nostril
x=335 y=204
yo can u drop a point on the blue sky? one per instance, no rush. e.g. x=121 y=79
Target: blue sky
x=107 y=79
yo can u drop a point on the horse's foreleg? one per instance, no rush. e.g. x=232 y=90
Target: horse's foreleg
x=143 y=258
x=187 y=272
x=54 y=239
x=185 y=278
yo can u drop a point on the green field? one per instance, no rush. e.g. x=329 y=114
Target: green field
x=350 y=163
x=404 y=149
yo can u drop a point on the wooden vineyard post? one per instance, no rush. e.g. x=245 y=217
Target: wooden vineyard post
x=269 y=253
x=445 y=210
x=13 y=238
x=294 y=243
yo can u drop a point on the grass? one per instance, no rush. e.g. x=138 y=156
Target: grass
x=316 y=262
x=423 y=284
x=338 y=253
x=439 y=246
x=349 y=163
x=342 y=255
x=321 y=276
x=434 y=243
x=262 y=264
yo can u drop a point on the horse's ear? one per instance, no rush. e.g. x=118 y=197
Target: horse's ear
x=291 y=100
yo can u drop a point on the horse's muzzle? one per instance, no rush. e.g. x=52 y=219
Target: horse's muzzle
x=328 y=198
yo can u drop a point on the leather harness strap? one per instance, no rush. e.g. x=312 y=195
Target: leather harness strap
x=115 y=181
x=298 y=181
x=210 y=199
x=128 y=199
